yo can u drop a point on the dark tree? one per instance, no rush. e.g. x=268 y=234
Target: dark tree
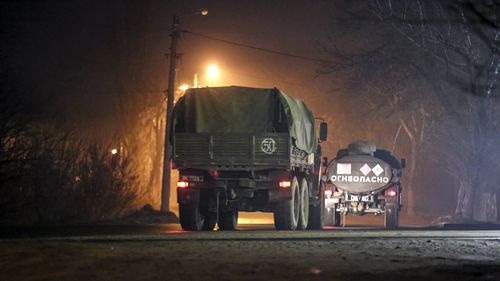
x=435 y=65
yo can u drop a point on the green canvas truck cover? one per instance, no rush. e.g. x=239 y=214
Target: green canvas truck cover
x=243 y=110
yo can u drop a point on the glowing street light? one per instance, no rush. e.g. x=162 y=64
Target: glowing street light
x=212 y=71
x=183 y=87
x=114 y=151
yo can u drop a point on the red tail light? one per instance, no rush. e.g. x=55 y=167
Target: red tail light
x=285 y=184
x=391 y=192
x=328 y=193
x=182 y=184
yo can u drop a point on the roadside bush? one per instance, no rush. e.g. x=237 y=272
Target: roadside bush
x=51 y=179
x=104 y=186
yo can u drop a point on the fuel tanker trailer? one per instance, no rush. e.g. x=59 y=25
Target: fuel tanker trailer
x=363 y=180
x=246 y=149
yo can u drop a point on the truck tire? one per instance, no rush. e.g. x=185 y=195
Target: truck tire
x=304 y=205
x=391 y=217
x=286 y=213
x=190 y=217
x=317 y=213
x=228 y=220
x=209 y=221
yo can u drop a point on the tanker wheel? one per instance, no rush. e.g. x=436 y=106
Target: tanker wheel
x=317 y=213
x=303 y=206
x=391 y=217
x=336 y=216
x=191 y=217
x=332 y=217
x=328 y=217
x=228 y=220
x=286 y=213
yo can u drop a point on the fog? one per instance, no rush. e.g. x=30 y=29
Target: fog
x=422 y=83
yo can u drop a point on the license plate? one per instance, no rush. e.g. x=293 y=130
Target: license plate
x=367 y=198
x=354 y=198
x=330 y=202
x=192 y=178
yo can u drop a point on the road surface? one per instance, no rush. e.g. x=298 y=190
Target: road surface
x=256 y=252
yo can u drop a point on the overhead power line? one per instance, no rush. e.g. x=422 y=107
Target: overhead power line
x=258 y=48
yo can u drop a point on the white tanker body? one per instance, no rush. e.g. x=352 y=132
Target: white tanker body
x=363 y=180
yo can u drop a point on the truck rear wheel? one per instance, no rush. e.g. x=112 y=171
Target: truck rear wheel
x=209 y=220
x=391 y=217
x=317 y=213
x=286 y=214
x=191 y=217
x=303 y=206
x=228 y=220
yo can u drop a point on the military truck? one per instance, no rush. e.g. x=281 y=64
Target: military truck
x=246 y=149
x=363 y=180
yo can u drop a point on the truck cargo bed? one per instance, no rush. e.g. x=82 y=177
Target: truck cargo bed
x=235 y=151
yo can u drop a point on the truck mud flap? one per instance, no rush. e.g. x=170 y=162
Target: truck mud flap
x=186 y=195
x=277 y=195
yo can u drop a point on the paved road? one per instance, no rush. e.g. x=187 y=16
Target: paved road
x=255 y=252
x=245 y=232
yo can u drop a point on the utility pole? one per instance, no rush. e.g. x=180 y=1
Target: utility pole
x=167 y=150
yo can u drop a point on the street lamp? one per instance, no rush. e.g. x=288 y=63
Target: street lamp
x=167 y=150
x=184 y=87
x=212 y=73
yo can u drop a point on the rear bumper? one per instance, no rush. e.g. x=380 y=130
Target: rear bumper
x=263 y=196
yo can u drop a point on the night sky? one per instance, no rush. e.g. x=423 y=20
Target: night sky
x=68 y=46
